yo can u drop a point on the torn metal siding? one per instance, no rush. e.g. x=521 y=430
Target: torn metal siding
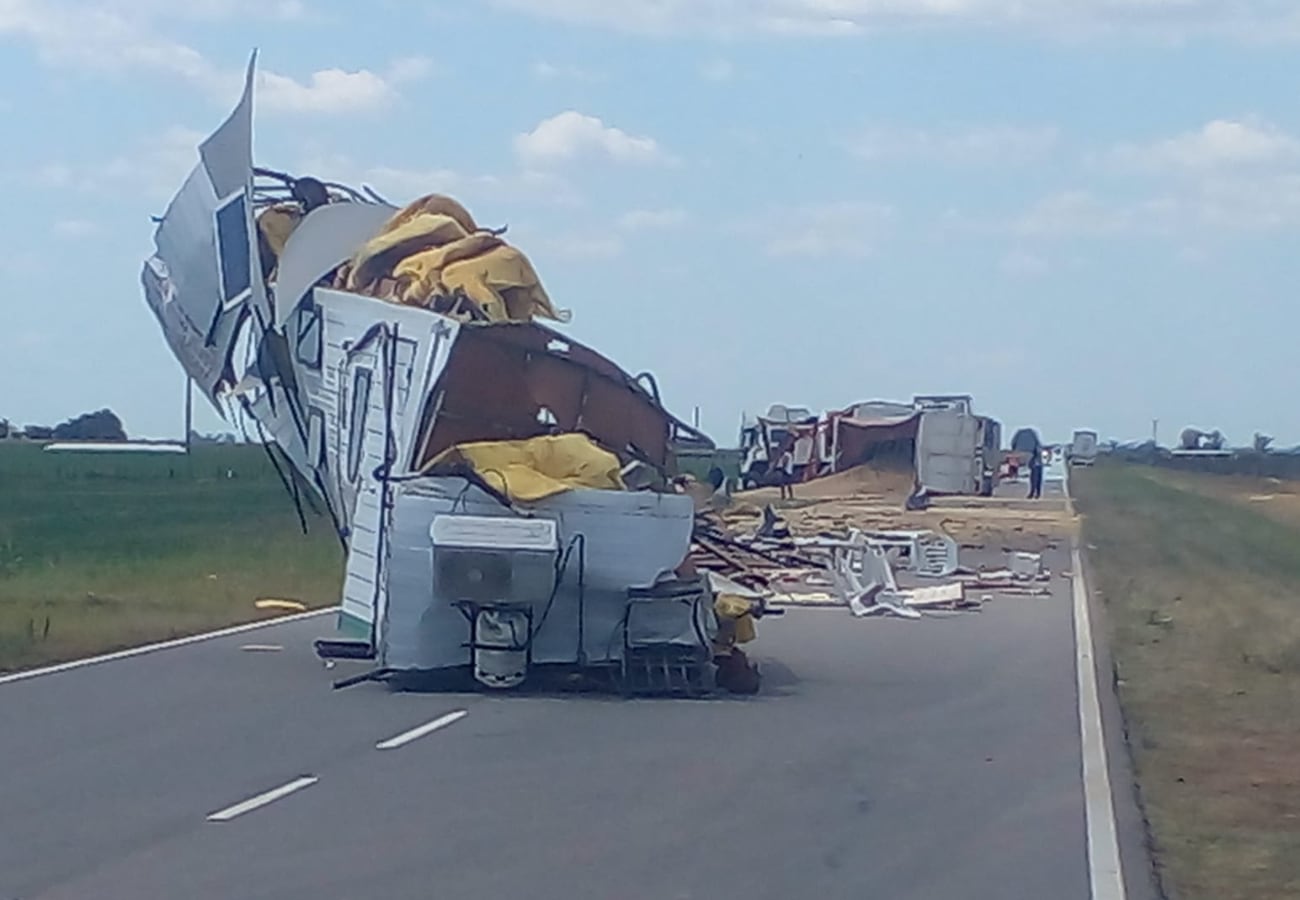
x=858 y=441
x=186 y=281
x=516 y=381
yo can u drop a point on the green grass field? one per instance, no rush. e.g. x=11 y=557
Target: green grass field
x=104 y=551
x=1201 y=582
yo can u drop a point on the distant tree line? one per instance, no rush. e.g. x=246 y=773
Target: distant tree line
x=198 y=438
x=101 y=425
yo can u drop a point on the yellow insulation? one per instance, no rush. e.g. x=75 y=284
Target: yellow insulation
x=432 y=250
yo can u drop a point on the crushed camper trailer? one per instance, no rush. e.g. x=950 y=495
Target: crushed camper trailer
x=505 y=495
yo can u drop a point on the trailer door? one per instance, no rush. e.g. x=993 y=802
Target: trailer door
x=946 y=452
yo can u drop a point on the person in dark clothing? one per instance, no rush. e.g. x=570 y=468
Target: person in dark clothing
x=1036 y=475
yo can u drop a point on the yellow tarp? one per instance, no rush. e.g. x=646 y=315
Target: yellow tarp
x=419 y=276
x=432 y=250
x=502 y=282
x=739 y=610
x=416 y=234
x=439 y=204
x=532 y=470
x=277 y=223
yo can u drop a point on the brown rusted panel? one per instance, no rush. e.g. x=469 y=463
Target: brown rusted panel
x=499 y=379
x=884 y=441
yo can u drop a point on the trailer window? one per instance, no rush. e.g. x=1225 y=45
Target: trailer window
x=357 y=421
x=316 y=437
x=308 y=343
x=234 y=250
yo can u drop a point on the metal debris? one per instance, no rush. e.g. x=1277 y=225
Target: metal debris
x=288 y=605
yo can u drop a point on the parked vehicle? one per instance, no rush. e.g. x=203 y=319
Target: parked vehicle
x=1083 y=448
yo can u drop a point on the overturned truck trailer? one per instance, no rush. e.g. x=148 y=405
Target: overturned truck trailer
x=504 y=493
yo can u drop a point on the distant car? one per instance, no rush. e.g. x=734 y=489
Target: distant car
x=1083 y=448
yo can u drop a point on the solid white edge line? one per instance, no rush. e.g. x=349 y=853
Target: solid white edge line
x=1105 y=872
x=263 y=799
x=427 y=728
x=165 y=645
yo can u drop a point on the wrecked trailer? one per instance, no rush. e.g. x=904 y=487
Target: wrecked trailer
x=504 y=493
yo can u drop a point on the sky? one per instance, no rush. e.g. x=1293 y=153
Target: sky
x=1082 y=212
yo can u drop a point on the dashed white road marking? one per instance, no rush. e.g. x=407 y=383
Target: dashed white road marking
x=1105 y=871
x=427 y=728
x=165 y=645
x=252 y=803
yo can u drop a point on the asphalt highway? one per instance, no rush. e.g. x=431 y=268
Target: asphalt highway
x=925 y=759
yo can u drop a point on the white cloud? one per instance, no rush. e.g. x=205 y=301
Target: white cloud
x=581 y=247
x=1222 y=143
x=980 y=146
x=1078 y=213
x=814 y=25
x=122 y=36
x=571 y=136
x=718 y=70
x=410 y=68
x=548 y=71
x=1023 y=264
x=213 y=10
x=153 y=169
x=1159 y=19
x=401 y=185
x=327 y=91
x=1247 y=204
x=1198 y=210
x=55 y=175
x=846 y=230
x=74 y=228
x=645 y=219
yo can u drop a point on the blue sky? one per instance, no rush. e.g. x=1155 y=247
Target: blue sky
x=1083 y=212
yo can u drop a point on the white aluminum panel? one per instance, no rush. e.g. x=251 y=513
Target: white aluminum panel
x=493 y=533
x=326 y=237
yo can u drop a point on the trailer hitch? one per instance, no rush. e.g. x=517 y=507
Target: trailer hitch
x=377 y=675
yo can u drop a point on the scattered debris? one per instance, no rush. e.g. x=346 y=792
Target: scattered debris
x=943 y=596
x=1025 y=565
x=840 y=565
x=274 y=603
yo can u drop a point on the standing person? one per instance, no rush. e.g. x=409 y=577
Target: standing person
x=1036 y=475
x=785 y=470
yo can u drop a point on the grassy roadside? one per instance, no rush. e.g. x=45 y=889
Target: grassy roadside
x=100 y=552
x=1202 y=591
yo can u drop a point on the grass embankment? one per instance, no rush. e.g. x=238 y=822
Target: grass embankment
x=100 y=551
x=1201 y=582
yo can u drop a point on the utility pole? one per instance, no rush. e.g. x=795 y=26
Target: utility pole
x=189 y=411
x=696 y=419
x=1155 y=430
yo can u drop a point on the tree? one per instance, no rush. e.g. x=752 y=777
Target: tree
x=102 y=425
x=5 y=429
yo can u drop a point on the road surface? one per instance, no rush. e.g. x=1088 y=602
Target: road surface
x=924 y=759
